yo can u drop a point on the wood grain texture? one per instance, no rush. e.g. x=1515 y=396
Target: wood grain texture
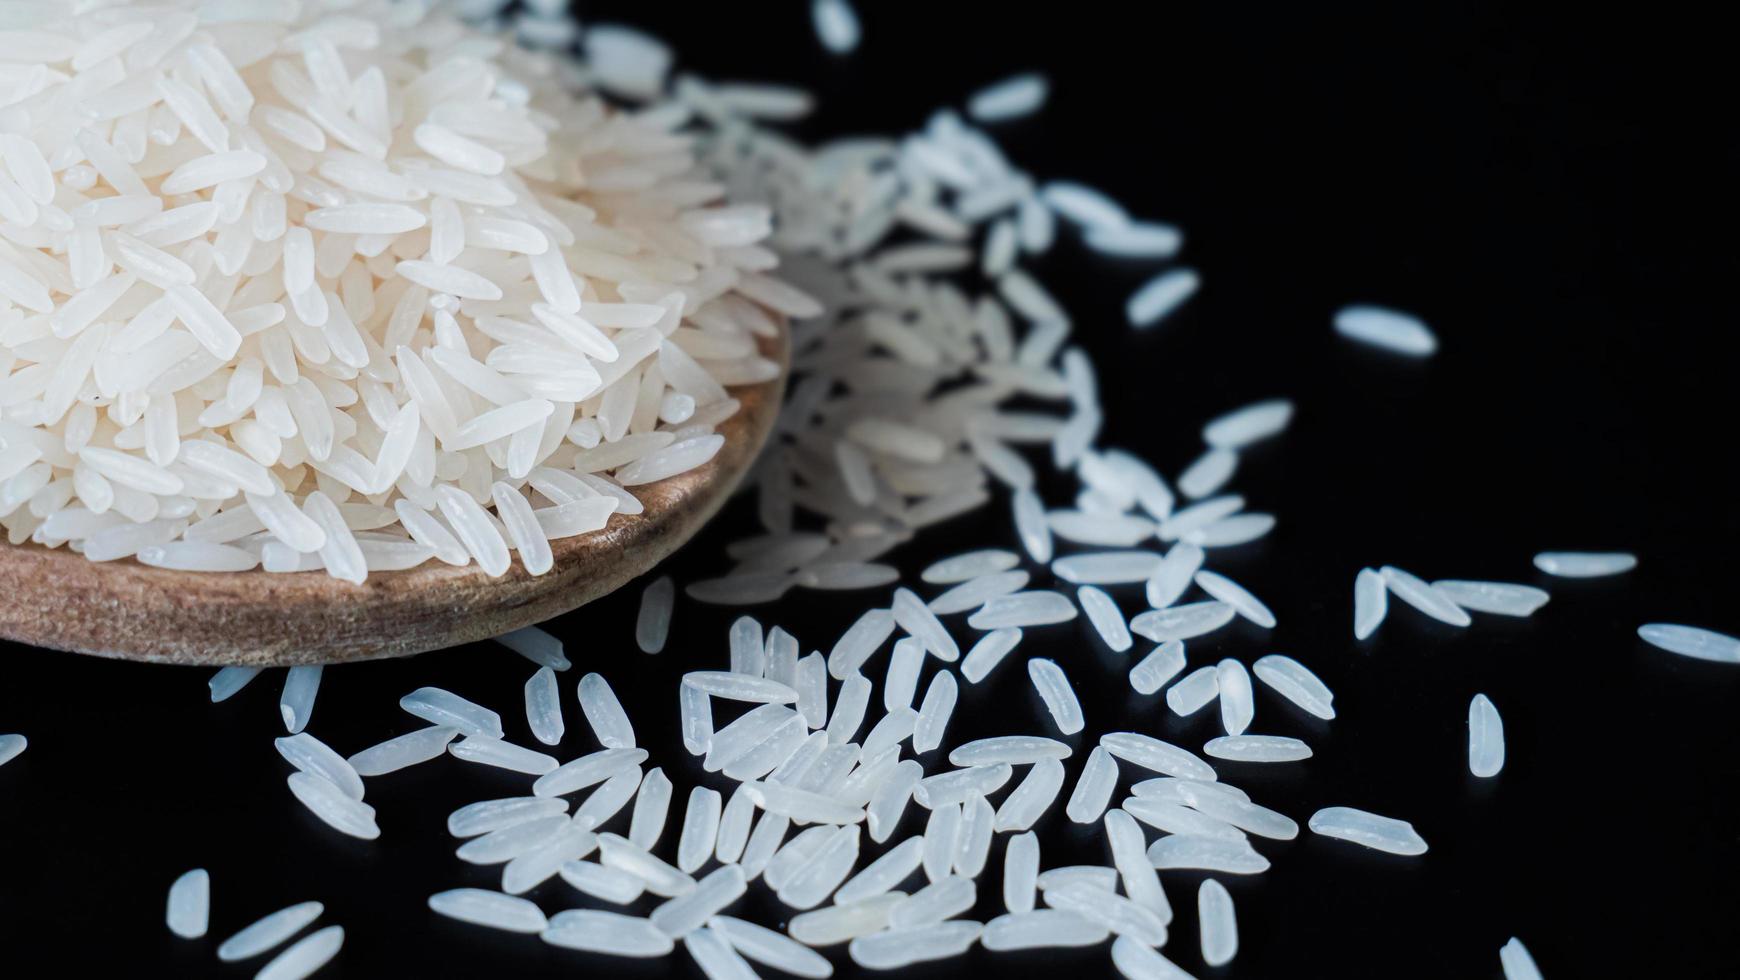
x=57 y=599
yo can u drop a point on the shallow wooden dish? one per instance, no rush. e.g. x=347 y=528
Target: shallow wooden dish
x=57 y=599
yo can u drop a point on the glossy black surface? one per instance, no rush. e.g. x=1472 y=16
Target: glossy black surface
x=1551 y=193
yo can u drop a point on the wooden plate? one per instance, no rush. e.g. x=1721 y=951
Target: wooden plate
x=57 y=599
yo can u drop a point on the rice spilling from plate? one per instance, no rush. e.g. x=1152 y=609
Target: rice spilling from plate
x=349 y=286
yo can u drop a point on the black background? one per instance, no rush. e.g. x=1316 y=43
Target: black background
x=1550 y=191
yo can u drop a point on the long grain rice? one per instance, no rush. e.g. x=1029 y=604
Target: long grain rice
x=1585 y=564
x=1692 y=641
x=1157 y=669
x=1377 y=832
x=1391 y=330
x=1011 y=98
x=1291 y=679
x=1057 y=693
x=189 y=907
x=1220 y=936
x=1424 y=597
x=1517 y=963
x=1485 y=738
x=268 y=932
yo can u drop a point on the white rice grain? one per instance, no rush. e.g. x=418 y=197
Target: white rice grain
x=1161 y=297
x=502 y=755
x=770 y=948
x=1208 y=473
x=333 y=806
x=1089 y=874
x=1370 y=602
x=301 y=684
x=653 y=623
x=739 y=687
x=440 y=707
x=189 y=908
x=405 y=750
x=700 y=830
x=1083 y=205
x=1252 y=423
x=877 y=878
x=610 y=724
x=903 y=947
x=942 y=899
x=486 y=816
x=1379 y=833
x=968 y=566
x=1093 y=788
x=1153 y=754
x=1020 y=872
x=1195 y=691
x=859 y=642
x=507 y=843
x=1183 y=622
x=988 y=652
x=1290 y=679
x=1585 y=564
x=268 y=932
x=681 y=915
x=313 y=756
x=587 y=770
x=1031 y=525
x=1109 y=567
x=1174 y=575
x=1023 y=609
x=1011 y=98
x=1214 y=913
x=605 y=884
x=1137 y=240
x=1054 y=689
x=1485 y=738
x=1023 y=807
x=1139 y=962
x=810 y=680
x=543 y=707
x=1692 y=641
x=952 y=787
x=1257 y=748
x=847 y=921
x=1237 y=705
x=1176 y=852
x=1117 y=913
x=1236 y=596
x=598 y=931
x=1157 y=669
x=226 y=682
x=1424 y=597
x=934 y=713
x=1389 y=329
x=1514 y=959
x=976 y=592
x=733 y=830
x=1499 y=598
x=912 y=615
x=487 y=908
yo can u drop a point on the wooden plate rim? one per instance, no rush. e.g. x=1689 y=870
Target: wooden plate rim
x=54 y=598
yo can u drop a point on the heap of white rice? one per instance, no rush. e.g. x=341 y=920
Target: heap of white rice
x=321 y=285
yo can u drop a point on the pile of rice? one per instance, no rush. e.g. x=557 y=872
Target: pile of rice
x=322 y=285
